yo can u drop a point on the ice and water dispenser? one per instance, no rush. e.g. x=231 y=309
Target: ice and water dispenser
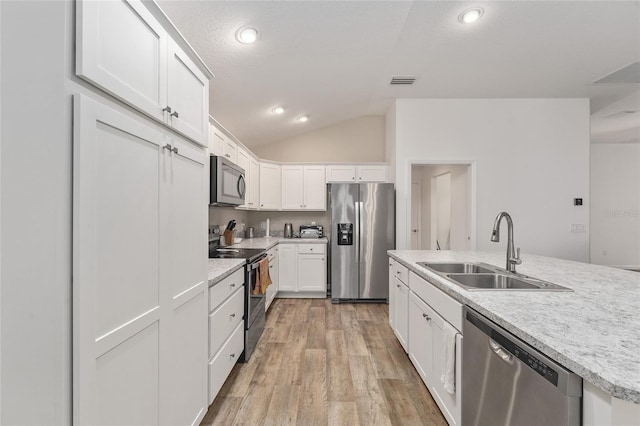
x=345 y=234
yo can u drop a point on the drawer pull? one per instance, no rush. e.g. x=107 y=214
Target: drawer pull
x=233 y=355
x=233 y=315
x=398 y=272
x=233 y=285
x=425 y=316
x=398 y=285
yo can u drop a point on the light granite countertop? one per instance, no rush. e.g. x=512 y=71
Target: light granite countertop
x=220 y=269
x=268 y=242
x=593 y=331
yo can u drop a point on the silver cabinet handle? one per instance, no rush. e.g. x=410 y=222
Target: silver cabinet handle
x=170 y=148
x=174 y=114
x=167 y=108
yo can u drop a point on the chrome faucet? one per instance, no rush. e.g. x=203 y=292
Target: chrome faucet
x=513 y=256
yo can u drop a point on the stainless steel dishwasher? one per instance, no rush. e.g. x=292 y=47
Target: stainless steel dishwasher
x=507 y=382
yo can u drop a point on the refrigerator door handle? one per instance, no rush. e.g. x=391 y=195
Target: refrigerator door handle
x=359 y=250
x=356 y=237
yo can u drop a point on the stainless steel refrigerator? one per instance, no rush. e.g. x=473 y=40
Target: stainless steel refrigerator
x=363 y=229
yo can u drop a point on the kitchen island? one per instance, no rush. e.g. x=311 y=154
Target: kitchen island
x=593 y=330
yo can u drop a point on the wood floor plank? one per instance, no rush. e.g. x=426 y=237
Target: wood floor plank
x=370 y=402
x=343 y=414
x=223 y=411
x=283 y=408
x=326 y=364
x=312 y=404
x=339 y=381
x=399 y=403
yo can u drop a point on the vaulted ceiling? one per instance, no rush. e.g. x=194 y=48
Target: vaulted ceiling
x=333 y=60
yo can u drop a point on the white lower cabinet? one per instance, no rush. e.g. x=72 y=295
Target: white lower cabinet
x=399 y=301
x=222 y=363
x=226 y=328
x=274 y=263
x=401 y=320
x=303 y=270
x=426 y=342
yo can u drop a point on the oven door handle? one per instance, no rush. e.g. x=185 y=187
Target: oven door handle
x=256 y=264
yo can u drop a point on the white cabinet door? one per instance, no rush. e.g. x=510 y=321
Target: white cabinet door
x=270 y=186
x=188 y=95
x=116 y=262
x=122 y=49
x=245 y=162
x=272 y=290
x=315 y=188
x=341 y=173
x=254 y=183
x=421 y=337
x=392 y=292
x=288 y=268
x=230 y=150
x=139 y=305
x=183 y=273
x=303 y=188
x=292 y=188
x=372 y=173
x=401 y=320
x=450 y=404
x=216 y=141
x=312 y=272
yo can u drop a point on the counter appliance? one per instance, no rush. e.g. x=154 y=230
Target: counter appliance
x=311 y=231
x=363 y=223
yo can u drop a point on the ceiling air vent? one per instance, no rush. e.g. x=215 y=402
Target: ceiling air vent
x=405 y=79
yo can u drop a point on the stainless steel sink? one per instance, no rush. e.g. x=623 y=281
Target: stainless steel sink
x=458 y=268
x=496 y=281
x=482 y=276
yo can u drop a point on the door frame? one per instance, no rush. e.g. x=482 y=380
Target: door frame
x=418 y=225
x=472 y=195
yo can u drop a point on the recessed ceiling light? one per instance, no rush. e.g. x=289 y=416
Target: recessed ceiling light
x=302 y=119
x=470 y=15
x=247 y=35
x=278 y=110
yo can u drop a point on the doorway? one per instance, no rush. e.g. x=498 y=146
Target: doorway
x=442 y=212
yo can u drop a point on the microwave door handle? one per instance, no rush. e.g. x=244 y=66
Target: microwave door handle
x=242 y=187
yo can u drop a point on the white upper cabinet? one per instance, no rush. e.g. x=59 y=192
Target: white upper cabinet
x=124 y=50
x=357 y=173
x=252 y=176
x=254 y=183
x=230 y=150
x=188 y=95
x=216 y=140
x=270 y=184
x=303 y=188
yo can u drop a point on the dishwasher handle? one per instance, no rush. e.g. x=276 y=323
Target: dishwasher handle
x=501 y=352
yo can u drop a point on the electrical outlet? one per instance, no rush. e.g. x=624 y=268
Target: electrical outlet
x=578 y=228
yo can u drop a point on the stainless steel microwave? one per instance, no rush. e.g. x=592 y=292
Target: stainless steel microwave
x=228 y=184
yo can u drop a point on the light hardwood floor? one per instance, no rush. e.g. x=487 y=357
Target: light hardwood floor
x=323 y=364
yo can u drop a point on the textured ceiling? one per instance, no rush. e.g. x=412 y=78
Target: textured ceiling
x=333 y=60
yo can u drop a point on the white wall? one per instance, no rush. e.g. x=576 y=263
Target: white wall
x=460 y=208
x=615 y=204
x=35 y=331
x=531 y=159
x=358 y=140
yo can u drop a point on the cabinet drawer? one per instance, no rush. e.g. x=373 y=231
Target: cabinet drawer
x=401 y=272
x=311 y=248
x=225 y=288
x=449 y=309
x=222 y=363
x=225 y=319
